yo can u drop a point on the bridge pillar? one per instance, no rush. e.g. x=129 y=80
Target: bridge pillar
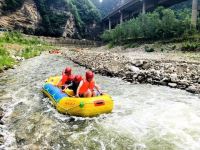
x=143 y=6
x=121 y=17
x=194 y=13
x=110 y=23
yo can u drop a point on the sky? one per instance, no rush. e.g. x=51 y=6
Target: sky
x=100 y=0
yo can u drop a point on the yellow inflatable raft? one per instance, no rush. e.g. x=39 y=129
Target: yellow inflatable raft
x=84 y=107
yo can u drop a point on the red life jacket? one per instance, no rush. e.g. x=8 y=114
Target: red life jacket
x=86 y=86
x=65 y=79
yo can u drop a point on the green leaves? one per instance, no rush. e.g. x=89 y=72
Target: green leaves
x=160 y=24
x=12 y=5
x=84 y=12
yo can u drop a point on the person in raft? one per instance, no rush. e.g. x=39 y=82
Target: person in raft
x=87 y=86
x=67 y=78
x=75 y=83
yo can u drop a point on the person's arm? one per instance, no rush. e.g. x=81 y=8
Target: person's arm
x=98 y=88
x=67 y=85
x=78 y=89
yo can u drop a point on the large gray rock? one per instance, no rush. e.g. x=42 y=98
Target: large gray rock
x=173 y=85
x=1 y=139
x=1 y=113
x=174 y=77
x=192 y=89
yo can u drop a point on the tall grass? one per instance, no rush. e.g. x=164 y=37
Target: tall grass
x=30 y=47
x=17 y=37
x=5 y=60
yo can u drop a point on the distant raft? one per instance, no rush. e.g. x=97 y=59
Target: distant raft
x=83 y=107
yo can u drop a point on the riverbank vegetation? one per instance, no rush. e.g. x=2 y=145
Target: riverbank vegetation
x=160 y=25
x=14 y=46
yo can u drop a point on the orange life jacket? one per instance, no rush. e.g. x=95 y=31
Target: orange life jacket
x=86 y=85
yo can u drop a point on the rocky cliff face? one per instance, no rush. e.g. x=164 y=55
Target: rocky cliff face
x=70 y=27
x=26 y=18
x=47 y=17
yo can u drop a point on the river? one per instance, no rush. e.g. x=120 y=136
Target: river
x=145 y=117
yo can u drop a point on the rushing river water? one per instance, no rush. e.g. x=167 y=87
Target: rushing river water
x=145 y=117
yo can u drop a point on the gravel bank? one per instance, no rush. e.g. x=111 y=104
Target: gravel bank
x=176 y=71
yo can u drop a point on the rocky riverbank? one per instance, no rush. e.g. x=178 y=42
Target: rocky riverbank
x=175 y=73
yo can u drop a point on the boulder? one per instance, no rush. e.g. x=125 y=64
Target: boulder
x=173 y=85
x=192 y=89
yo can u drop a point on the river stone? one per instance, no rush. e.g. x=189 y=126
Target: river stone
x=174 y=77
x=149 y=80
x=199 y=80
x=173 y=85
x=171 y=69
x=192 y=89
x=1 y=113
x=184 y=82
x=165 y=79
x=141 y=78
x=134 y=69
x=1 y=122
x=146 y=66
x=1 y=139
x=138 y=63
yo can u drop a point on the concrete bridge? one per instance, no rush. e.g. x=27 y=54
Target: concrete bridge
x=133 y=8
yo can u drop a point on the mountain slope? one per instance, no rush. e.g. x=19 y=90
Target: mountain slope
x=68 y=18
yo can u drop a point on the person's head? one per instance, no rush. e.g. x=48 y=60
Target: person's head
x=78 y=78
x=68 y=70
x=89 y=76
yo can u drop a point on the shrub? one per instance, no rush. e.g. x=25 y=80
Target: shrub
x=148 y=49
x=5 y=60
x=191 y=46
x=160 y=24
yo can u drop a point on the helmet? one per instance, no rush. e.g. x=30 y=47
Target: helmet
x=89 y=75
x=71 y=78
x=68 y=70
x=78 y=78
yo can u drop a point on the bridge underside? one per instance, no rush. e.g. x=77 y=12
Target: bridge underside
x=132 y=9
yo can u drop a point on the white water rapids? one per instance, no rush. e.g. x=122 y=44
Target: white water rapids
x=145 y=117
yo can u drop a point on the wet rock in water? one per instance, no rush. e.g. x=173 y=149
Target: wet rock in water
x=141 y=78
x=1 y=122
x=1 y=113
x=149 y=80
x=192 y=89
x=1 y=139
x=173 y=85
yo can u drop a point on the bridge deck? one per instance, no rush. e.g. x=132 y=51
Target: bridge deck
x=136 y=6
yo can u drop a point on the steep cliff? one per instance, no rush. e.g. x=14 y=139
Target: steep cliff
x=67 y=18
x=26 y=18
